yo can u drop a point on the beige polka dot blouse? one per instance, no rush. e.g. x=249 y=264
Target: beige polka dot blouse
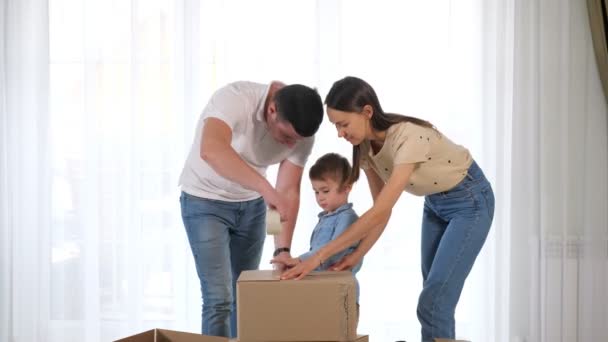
x=440 y=163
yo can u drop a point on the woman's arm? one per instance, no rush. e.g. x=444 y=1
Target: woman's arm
x=375 y=186
x=342 y=225
x=376 y=216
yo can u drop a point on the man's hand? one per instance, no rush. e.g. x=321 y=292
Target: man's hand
x=285 y=260
x=276 y=201
x=282 y=261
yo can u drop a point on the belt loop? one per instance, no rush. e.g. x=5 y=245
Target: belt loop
x=469 y=176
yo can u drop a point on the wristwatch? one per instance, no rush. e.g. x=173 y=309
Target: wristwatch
x=280 y=250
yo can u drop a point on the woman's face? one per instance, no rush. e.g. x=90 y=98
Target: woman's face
x=352 y=126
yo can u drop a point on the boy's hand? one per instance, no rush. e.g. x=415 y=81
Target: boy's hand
x=347 y=262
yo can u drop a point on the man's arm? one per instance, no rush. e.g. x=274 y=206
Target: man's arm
x=289 y=179
x=217 y=151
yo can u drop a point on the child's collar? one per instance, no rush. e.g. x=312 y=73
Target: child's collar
x=341 y=208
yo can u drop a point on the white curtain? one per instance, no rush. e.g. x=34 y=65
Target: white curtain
x=25 y=171
x=98 y=101
x=549 y=120
x=559 y=104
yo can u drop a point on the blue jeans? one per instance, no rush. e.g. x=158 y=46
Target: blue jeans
x=226 y=238
x=455 y=225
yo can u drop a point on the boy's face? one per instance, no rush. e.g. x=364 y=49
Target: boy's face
x=329 y=195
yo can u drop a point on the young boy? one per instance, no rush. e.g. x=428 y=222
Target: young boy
x=330 y=181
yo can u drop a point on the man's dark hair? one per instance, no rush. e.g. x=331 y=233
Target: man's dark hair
x=332 y=166
x=301 y=106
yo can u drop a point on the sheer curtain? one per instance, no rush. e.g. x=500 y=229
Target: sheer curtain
x=25 y=173
x=545 y=97
x=560 y=109
x=99 y=99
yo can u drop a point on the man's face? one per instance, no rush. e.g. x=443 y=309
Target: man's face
x=281 y=130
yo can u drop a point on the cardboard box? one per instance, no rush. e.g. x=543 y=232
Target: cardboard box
x=320 y=307
x=162 y=335
x=360 y=338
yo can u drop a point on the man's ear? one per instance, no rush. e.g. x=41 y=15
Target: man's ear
x=272 y=111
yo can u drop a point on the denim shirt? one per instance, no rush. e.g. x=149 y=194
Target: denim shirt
x=329 y=227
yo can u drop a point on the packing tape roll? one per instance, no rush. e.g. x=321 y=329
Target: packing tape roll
x=273 y=222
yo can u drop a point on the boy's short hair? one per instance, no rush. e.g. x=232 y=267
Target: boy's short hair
x=332 y=166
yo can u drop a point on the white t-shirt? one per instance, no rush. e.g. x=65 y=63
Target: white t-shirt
x=241 y=106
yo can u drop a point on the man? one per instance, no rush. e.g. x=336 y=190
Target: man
x=244 y=128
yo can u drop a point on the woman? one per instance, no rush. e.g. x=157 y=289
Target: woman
x=400 y=153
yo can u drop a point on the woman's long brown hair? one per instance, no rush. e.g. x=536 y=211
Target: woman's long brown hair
x=351 y=94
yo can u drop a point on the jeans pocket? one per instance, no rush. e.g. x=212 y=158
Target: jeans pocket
x=488 y=196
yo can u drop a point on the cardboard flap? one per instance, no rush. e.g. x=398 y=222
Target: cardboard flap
x=360 y=338
x=318 y=276
x=263 y=275
x=163 y=335
x=344 y=277
x=179 y=336
x=145 y=336
x=160 y=337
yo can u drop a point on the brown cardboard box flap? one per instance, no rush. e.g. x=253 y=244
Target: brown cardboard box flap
x=163 y=335
x=264 y=275
x=321 y=277
x=360 y=338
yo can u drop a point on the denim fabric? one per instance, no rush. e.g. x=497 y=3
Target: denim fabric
x=329 y=227
x=225 y=238
x=455 y=225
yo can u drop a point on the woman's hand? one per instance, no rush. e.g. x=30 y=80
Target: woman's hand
x=300 y=270
x=347 y=262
